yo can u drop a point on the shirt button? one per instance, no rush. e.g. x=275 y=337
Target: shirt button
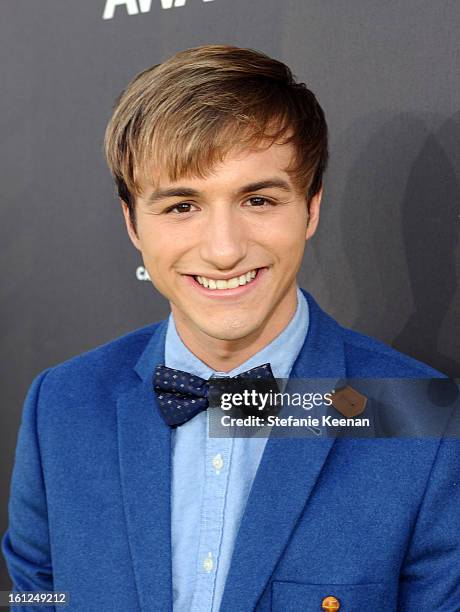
x=218 y=462
x=208 y=563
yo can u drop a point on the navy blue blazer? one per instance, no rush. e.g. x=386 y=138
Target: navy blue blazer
x=372 y=522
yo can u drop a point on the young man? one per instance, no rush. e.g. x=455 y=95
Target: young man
x=125 y=503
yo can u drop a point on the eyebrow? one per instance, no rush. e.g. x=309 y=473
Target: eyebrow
x=187 y=192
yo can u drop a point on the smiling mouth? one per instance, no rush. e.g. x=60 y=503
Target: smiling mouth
x=230 y=283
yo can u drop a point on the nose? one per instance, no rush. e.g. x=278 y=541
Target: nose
x=223 y=242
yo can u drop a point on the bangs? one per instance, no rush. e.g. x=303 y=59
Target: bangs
x=196 y=152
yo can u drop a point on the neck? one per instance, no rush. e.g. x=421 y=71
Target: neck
x=226 y=355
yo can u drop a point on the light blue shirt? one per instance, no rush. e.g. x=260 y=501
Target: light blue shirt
x=212 y=477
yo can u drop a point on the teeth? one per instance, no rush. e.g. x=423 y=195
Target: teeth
x=231 y=283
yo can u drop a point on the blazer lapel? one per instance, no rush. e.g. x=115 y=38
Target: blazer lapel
x=144 y=442
x=285 y=479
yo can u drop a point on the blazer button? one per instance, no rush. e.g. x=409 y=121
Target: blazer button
x=330 y=604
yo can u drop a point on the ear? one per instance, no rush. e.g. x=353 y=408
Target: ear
x=313 y=214
x=129 y=226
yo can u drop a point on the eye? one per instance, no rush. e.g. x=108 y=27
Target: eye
x=177 y=209
x=259 y=201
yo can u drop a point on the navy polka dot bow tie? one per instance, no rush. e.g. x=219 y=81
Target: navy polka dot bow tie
x=181 y=395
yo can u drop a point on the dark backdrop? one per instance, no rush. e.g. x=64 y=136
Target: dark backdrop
x=386 y=258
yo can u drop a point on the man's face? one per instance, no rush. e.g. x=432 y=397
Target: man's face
x=225 y=250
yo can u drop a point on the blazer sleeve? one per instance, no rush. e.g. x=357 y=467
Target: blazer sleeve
x=26 y=544
x=430 y=577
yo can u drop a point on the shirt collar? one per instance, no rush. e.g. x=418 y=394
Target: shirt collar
x=280 y=353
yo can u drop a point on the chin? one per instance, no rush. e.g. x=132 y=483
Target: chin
x=233 y=329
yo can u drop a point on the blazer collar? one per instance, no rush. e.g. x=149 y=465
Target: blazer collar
x=322 y=354
x=154 y=352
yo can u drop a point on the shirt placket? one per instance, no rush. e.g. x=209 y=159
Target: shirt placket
x=217 y=470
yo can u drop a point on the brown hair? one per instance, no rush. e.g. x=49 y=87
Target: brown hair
x=185 y=115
